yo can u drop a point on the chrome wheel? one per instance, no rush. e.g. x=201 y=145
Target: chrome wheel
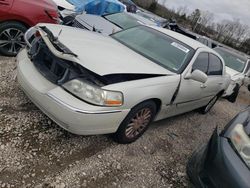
x=12 y=40
x=138 y=123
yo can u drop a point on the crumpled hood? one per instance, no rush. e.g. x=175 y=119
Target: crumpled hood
x=91 y=21
x=102 y=54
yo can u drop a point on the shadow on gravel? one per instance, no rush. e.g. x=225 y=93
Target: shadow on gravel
x=25 y=107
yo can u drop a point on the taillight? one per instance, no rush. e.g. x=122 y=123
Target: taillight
x=52 y=14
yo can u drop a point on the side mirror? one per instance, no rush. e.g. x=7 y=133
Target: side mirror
x=197 y=75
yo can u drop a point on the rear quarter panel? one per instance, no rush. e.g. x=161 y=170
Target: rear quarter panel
x=226 y=81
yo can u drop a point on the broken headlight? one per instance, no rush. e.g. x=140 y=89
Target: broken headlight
x=241 y=142
x=93 y=94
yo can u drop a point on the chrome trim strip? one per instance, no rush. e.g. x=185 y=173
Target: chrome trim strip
x=28 y=34
x=79 y=110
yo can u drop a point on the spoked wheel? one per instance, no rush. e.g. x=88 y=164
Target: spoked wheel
x=136 y=122
x=11 y=38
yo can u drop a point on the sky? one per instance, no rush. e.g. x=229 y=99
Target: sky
x=222 y=9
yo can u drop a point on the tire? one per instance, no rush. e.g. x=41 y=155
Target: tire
x=195 y=165
x=129 y=131
x=11 y=38
x=210 y=104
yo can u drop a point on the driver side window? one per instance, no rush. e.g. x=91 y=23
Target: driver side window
x=201 y=62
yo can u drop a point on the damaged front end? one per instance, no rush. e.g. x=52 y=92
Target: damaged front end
x=55 y=61
x=58 y=63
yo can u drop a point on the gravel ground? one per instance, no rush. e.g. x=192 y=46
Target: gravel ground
x=35 y=152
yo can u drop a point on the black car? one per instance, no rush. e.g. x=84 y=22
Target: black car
x=225 y=160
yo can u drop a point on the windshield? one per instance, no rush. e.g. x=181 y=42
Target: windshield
x=156 y=46
x=122 y=20
x=232 y=60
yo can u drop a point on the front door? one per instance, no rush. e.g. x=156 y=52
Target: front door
x=190 y=95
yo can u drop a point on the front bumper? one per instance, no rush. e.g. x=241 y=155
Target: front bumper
x=70 y=113
x=219 y=165
x=224 y=168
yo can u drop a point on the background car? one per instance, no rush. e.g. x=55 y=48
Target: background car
x=207 y=41
x=225 y=160
x=64 y=5
x=130 y=5
x=65 y=8
x=96 y=7
x=94 y=84
x=238 y=67
x=16 y=16
x=110 y=23
x=161 y=22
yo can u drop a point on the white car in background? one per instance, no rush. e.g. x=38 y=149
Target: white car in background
x=238 y=67
x=110 y=23
x=63 y=4
x=67 y=9
x=94 y=84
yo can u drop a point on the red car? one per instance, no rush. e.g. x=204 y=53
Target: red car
x=16 y=16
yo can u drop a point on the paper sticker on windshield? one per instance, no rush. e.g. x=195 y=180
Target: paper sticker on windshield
x=180 y=47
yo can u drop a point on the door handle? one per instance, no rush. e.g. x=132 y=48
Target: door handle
x=220 y=83
x=203 y=86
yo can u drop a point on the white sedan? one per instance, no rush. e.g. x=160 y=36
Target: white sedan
x=94 y=84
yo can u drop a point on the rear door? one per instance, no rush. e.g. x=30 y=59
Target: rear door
x=215 y=81
x=5 y=5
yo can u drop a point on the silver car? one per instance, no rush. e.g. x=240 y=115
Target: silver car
x=94 y=84
x=110 y=23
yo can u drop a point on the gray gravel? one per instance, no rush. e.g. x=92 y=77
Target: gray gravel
x=35 y=152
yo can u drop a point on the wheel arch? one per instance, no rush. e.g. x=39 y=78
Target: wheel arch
x=157 y=102
x=17 y=21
